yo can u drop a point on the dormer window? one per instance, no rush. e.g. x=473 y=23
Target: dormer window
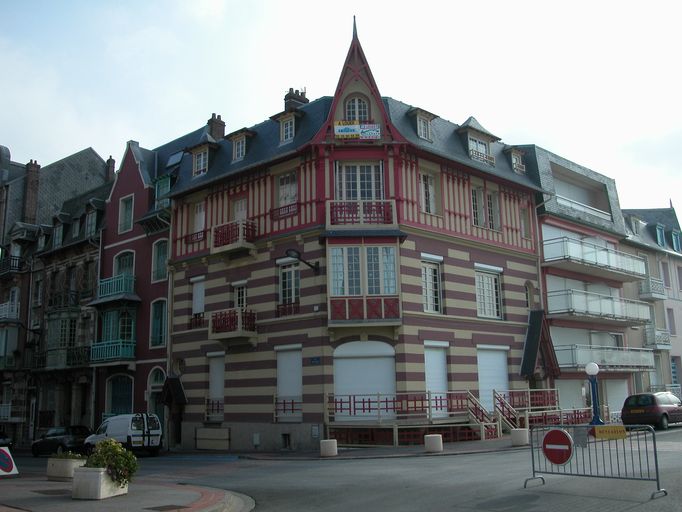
x=238 y=148
x=424 y=128
x=634 y=223
x=286 y=129
x=91 y=223
x=660 y=235
x=41 y=242
x=357 y=109
x=76 y=228
x=200 y=163
x=478 y=150
x=676 y=241
x=58 y=234
x=517 y=164
x=162 y=187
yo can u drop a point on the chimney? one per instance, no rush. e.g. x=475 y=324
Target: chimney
x=294 y=99
x=216 y=127
x=31 y=192
x=111 y=169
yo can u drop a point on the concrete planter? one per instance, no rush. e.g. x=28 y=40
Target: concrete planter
x=433 y=443
x=61 y=470
x=328 y=448
x=94 y=484
x=519 y=436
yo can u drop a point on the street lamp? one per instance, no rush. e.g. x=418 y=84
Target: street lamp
x=592 y=369
x=293 y=253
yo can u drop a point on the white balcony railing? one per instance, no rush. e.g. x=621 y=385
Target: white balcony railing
x=611 y=358
x=584 y=208
x=658 y=338
x=9 y=310
x=581 y=303
x=565 y=248
x=652 y=287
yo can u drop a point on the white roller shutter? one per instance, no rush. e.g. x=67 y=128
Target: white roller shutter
x=570 y=394
x=216 y=382
x=493 y=374
x=435 y=367
x=289 y=382
x=616 y=393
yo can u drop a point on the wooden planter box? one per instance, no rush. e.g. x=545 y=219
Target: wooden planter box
x=61 y=470
x=94 y=484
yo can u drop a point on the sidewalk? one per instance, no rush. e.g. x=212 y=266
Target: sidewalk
x=33 y=492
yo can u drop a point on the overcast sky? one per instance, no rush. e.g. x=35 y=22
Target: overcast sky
x=598 y=83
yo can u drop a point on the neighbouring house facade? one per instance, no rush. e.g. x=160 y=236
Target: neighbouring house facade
x=586 y=274
x=344 y=263
x=654 y=234
x=29 y=198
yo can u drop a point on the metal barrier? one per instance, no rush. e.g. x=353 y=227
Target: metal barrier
x=608 y=451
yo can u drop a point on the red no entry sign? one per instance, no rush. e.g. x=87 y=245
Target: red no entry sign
x=557 y=445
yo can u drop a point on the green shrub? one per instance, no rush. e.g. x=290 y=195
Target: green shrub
x=67 y=455
x=120 y=463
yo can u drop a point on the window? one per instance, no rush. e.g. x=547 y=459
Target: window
x=359 y=181
x=198 y=290
x=286 y=129
x=199 y=217
x=91 y=223
x=634 y=224
x=517 y=164
x=239 y=295
x=524 y=215
x=529 y=295
x=124 y=264
x=289 y=283
x=41 y=242
x=76 y=228
x=239 y=148
x=423 y=128
x=679 y=277
x=126 y=326
x=428 y=193
x=58 y=234
x=665 y=274
x=288 y=190
x=381 y=274
x=345 y=271
x=38 y=292
x=488 y=296
x=660 y=235
x=357 y=109
x=125 y=214
x=158 y=327
x=431 y=294
x=485 y=208
x=200 y=163
x=161 y=188
x=676 y=241
x=670 y=314
x=159 y=258
x=478 y=149
x=118 y=325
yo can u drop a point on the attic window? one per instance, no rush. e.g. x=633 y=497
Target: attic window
x=58 y=233
x=357 y=109
x=200 y=163
x=676 y=241
x=76 y=228
x=41 y=242
x=517 y=164
x=238 y=148
x=478 y=150
x=286 y=129
x=423 y=128
x=634 y=223
x=91 y=223
x=660 y=235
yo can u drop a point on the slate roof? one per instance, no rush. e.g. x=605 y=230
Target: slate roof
x=647 y=233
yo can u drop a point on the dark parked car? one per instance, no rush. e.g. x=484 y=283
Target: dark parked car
x=5 y=440
x=658 y=409
x=61 y=439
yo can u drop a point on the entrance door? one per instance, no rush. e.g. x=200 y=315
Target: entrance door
x=493 y=374
x=436 y=370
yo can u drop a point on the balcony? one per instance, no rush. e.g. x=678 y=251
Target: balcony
x=657 y=339
x=372 y=215
x=482 y=157
x=233 y=326
x=7 y=362
x=652 y=288
x=583 y=208
x=585 y=257
x=238 y=235
x=608 y=358
x=112 y=351
x=63 y=300
x=9 y=311
x=116 y=286
x=215 y=411
x=377 y=310
x=11 y=265
x=62 y=358
x=581 y=305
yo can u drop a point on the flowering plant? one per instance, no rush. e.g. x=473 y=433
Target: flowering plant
x=121 y=464
x=67 y=455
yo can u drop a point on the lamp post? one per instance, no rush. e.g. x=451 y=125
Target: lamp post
x=293 y=253
x=592 y=369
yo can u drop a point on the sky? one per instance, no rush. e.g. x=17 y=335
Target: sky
x=598 y=83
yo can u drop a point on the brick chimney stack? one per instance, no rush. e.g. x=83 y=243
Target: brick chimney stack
x=294 y=99
x=31 y=192
x=111 y=168
x=216 y=127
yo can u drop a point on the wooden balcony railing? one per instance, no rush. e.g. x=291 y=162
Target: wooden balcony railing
x=482 y=157
x=367 y=215
x=360 y=309
x=197 y=321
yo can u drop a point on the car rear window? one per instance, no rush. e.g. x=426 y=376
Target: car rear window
x=639 y=400
x=137 y=423
x=80 y=430
x=153 y=423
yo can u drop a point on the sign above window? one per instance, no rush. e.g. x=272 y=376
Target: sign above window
x=356 y=130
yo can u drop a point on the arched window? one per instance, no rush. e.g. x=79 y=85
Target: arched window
x=156 y=378
x=159 y=259
x=357 y=109
x=125 y=264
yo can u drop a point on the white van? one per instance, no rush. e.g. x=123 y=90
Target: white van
x=139 y=431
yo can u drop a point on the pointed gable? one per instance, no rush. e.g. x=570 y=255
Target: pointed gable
x=357 y=112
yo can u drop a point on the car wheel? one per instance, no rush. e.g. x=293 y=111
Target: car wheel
x=663 y=423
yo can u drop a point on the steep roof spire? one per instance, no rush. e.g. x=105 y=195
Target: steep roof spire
x=355 y=30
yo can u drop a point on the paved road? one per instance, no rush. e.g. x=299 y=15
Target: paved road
x=484 y=482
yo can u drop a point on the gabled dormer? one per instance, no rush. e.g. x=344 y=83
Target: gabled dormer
x=515 y=156
x=240 y=144
x=357 y=113
x=477 y=140
x=44 y=233
x=422 y=122
x=675 y=238
x=288 y=119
